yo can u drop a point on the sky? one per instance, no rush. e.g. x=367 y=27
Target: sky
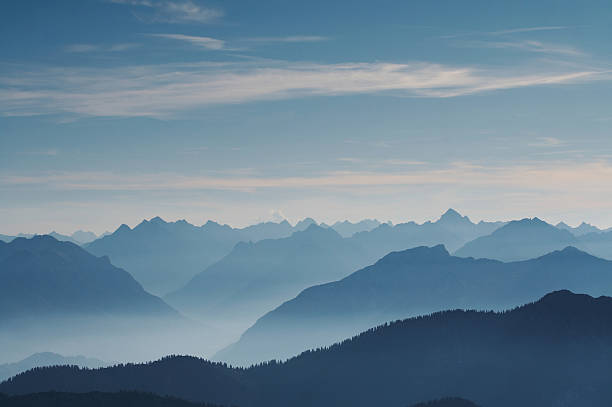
x=112 y=111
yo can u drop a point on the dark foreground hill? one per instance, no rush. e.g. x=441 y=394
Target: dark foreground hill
x=554 y=352
x=409 y=283
x=136 y=399
x=8 y=370
x=447 y=402
x=96 y=399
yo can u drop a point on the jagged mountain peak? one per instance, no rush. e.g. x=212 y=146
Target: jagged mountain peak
x=452 y=216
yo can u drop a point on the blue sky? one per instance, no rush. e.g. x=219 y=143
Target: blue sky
x=240 y=111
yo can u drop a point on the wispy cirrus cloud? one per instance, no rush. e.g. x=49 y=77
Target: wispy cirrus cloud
x=203 y=42
x=554 y=176
x=547 y=142
x=173 y=11
x=289 y=39
x=529 y=29
x=87 y=48
x=165 y=90
x=508 y=31
x=527 y=45
x=506 y=39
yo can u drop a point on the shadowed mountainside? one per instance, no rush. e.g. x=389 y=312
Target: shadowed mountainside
x=57 y=296
x=44 y=277
x=412 y=282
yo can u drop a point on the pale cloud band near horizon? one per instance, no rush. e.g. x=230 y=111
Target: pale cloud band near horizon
x=578 y=177
x=493 y=192
x=165 y=90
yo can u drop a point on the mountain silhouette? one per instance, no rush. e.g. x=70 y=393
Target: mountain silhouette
x=348 y=229
x=63 y=238
x=407 y=283
x=256 y=277
x=519 y=240
x=529 y=238
x=57 y=296
x=452 y=230
x=580 y=230
x=553 y=352
x=83 y=236
x=79 y=237
x=447 y=402
x=599 y=244
x=42 y=276
x=136 y=399
x=164 y=256
x=41 y=359
x=96 y=399
x=6 y=238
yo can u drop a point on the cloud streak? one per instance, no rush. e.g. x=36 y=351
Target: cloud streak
x=204 y=42
x=577 y=177
x=527 y=45
x=290 y=39
x=87 y=48
x=173 y=11
x=165 y=90
x=509 y=31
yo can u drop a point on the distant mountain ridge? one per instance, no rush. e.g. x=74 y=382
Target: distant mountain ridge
x=348 y=229
x=256 y=277
x=164 y=256
x=408 y=283
x=79 y=237
x=42 y=359
x=529 y=238
x=451 y=229
x=582 y=229
x=552 y=352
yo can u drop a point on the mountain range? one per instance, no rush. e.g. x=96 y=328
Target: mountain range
x=528 y=238
x=164 y=256
x=452 y=230
x=582 y=229
x=348 y=229
x=256 y=277
x=553 y=352
x=79 y=237
x=408 y=283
